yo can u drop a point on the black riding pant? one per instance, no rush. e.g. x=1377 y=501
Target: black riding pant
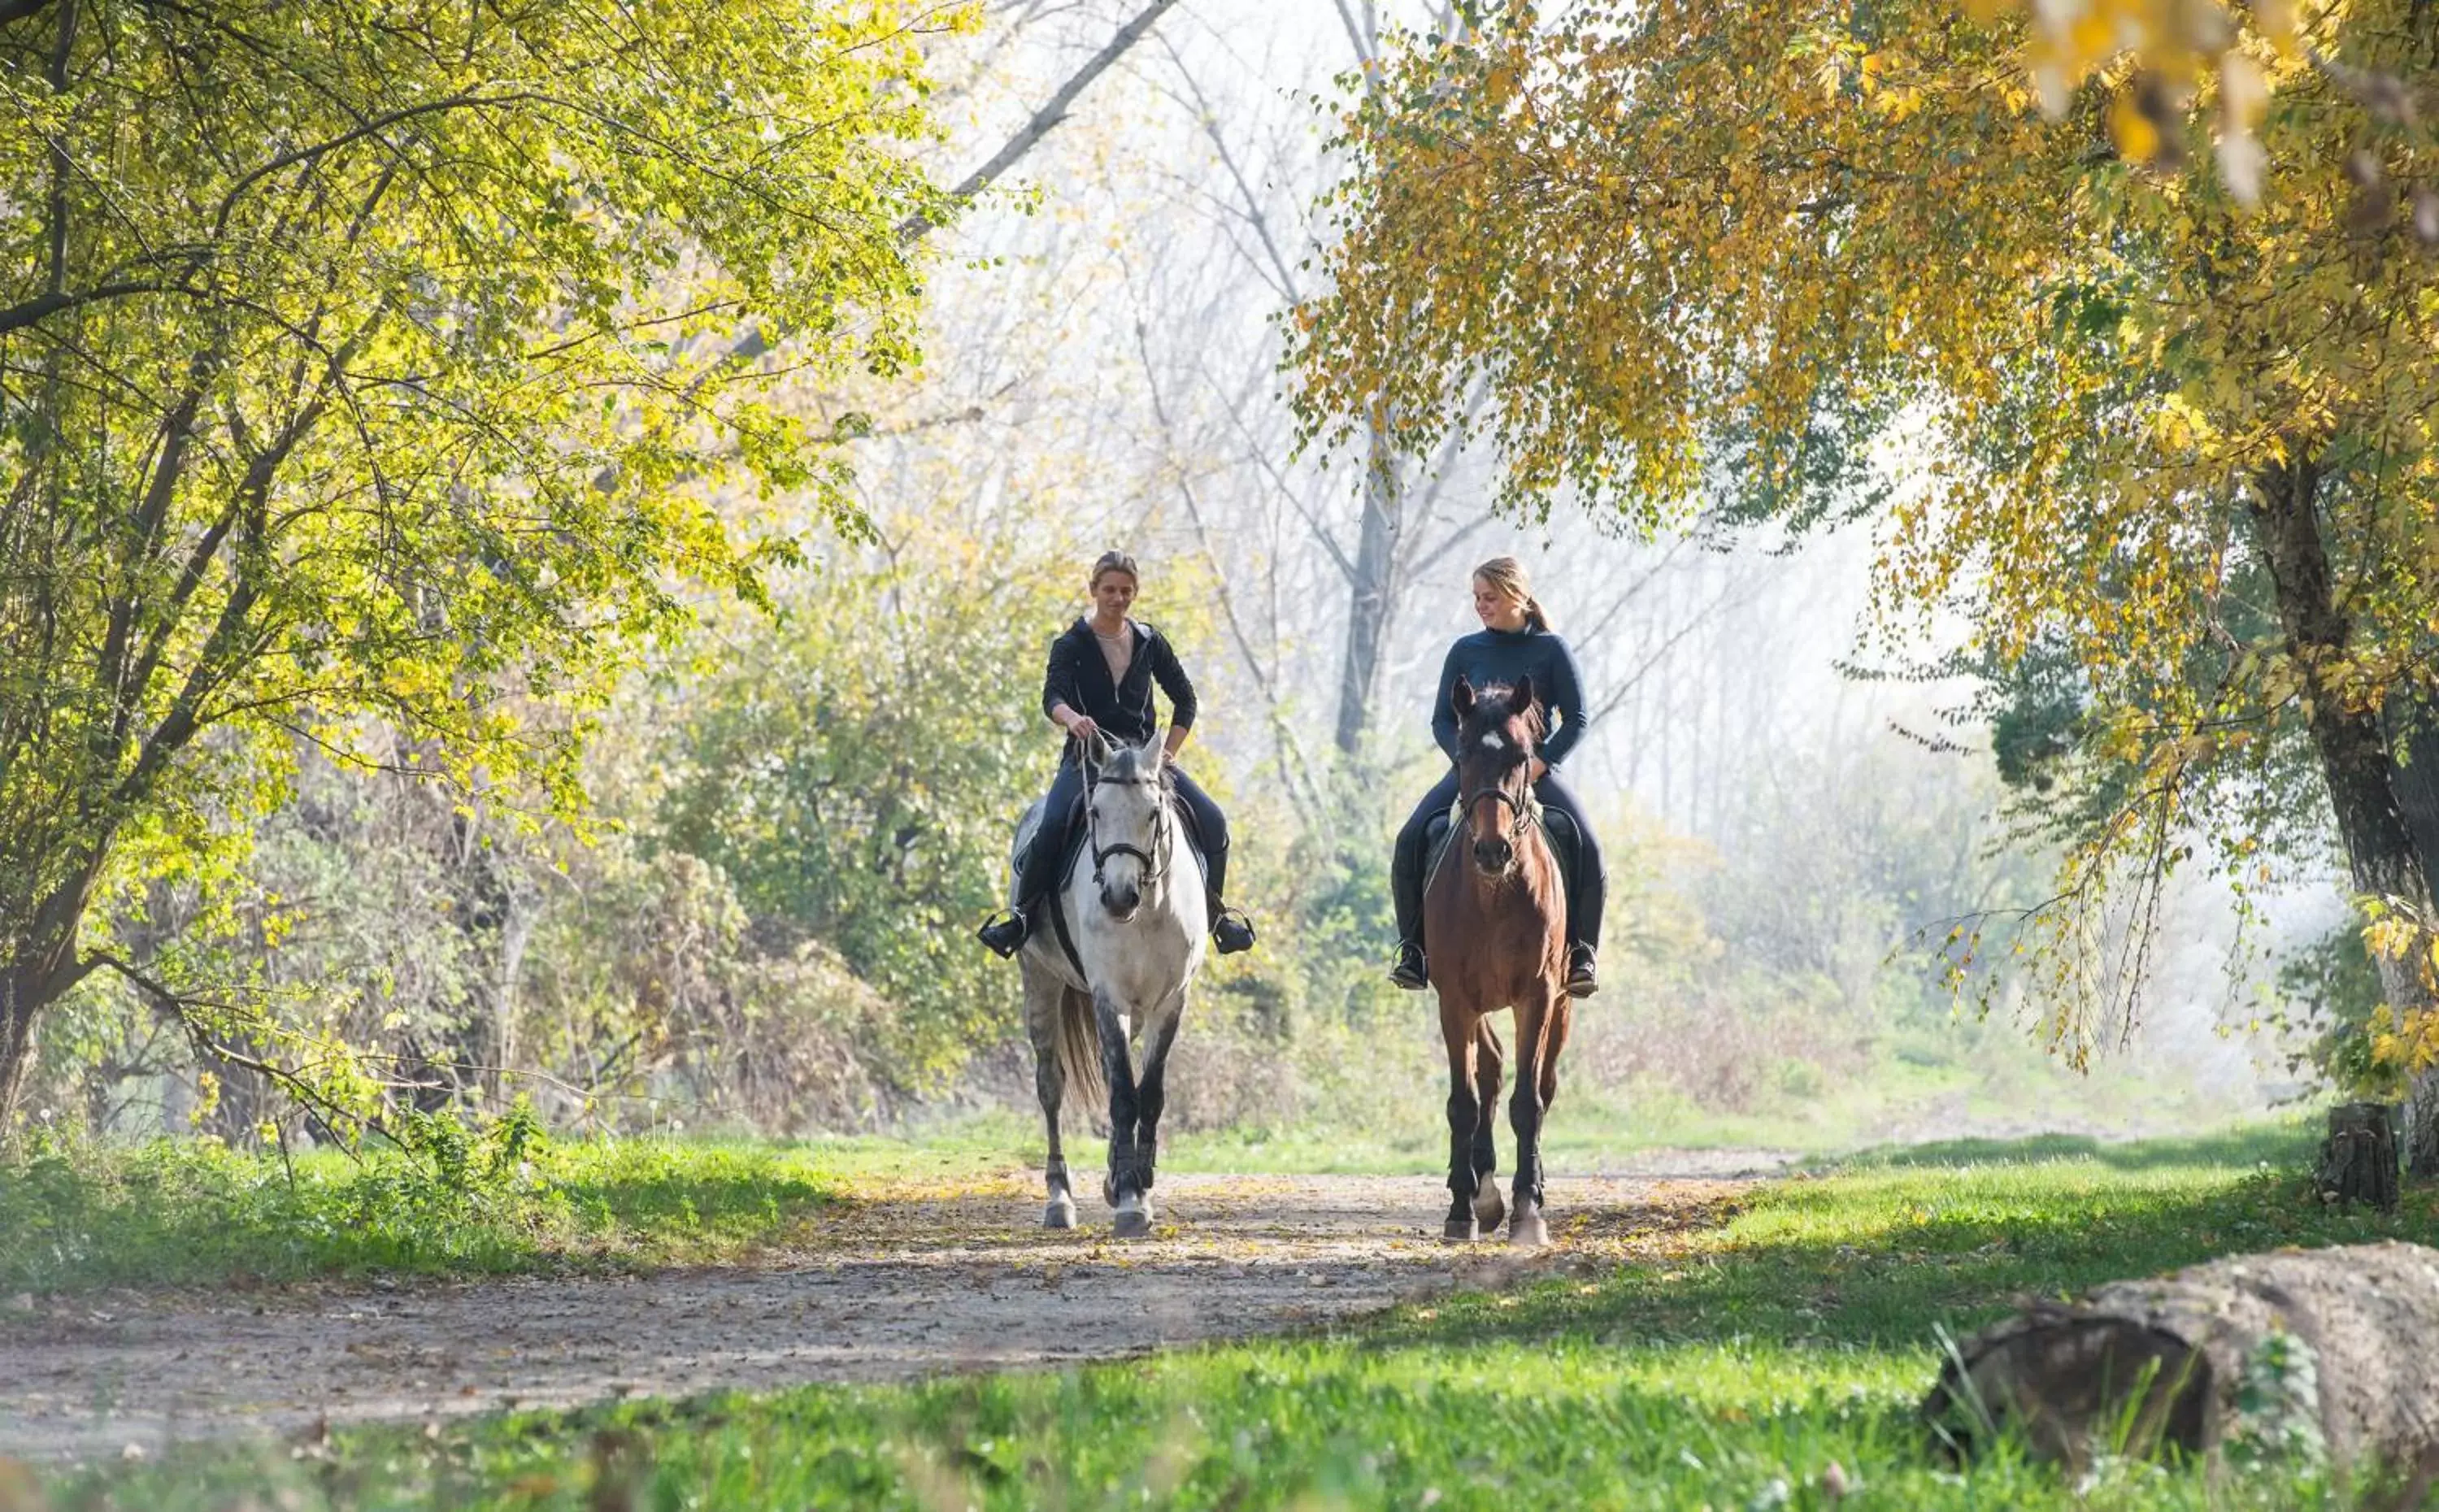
x=1061 y=812
x=1587 y=884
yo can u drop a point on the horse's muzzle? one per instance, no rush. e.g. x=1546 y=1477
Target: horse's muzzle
x=1494 y=856
x=1121 y=902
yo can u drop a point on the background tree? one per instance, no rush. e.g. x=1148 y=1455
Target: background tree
x=2183 y=444
x=374 y=360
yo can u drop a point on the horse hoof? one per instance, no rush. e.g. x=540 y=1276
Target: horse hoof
x=1528 y=1232
x=1060 y=1213
x=1462 y=1228
x=1134 y=1223
x=1487 y=1209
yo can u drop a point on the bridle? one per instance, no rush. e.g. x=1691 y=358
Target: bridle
x=1528 y=813
x=1155 y=867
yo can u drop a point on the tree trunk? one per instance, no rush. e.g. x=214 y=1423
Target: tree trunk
x=2382 y=855
x=2328 y=1353
x=2359 y=1158
x=521 y=911
x=17 y=1007
x=37 y=967
x=1373 y=596
x=2411 y=722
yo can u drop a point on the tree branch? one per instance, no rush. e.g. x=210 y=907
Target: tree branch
x=752 y=344
x=914 y=227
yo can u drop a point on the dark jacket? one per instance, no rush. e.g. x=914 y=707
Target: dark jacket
x=1079 y=676
x=1489 y=656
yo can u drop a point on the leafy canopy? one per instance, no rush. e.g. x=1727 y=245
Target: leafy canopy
x=1678 y=246
x=386 y=360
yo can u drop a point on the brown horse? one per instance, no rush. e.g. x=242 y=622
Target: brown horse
x=1495 y=918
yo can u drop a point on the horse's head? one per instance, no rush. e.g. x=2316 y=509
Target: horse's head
x=1498 y=730
x=1127 y=824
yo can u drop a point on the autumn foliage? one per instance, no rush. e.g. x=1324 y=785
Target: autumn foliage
x=2151 y=409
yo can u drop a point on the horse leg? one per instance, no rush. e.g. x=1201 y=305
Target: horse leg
x=1524 y=1223
x=1487 y=1209
x=1121 y=1188
x=1042 y=1006
x=1150 y=1091
x=1562 y=1018
x=1457 y=1026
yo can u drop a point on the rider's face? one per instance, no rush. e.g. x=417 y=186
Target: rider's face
x=1113 y=594
x=1495 y=609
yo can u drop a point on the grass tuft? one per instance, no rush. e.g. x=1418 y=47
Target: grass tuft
x=192 y=1213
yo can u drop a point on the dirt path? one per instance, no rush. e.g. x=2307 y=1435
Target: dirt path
x=914 y=1281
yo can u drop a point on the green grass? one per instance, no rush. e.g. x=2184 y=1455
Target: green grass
x=191 y=1213
x=1730 y=1375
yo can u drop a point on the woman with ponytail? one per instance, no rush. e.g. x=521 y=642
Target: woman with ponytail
x=1515 y=641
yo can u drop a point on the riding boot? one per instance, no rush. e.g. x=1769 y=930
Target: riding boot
x=1583 y=978
x=1006 y=934
x=1406 y=899
x=1231 y=931
x=1582 y=884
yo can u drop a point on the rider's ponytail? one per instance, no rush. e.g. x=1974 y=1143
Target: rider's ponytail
x=1505 y=575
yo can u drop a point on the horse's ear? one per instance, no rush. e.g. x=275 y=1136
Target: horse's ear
x=1151 y=750
x=1461 y=697
x=1521 y=700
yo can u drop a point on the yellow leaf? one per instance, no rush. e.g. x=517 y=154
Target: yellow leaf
x=2137 y=138
x=2276 y=19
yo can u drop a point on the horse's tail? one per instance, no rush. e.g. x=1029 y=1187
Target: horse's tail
x=1079 y=1048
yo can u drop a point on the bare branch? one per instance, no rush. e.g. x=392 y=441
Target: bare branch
x=916 y=227
x=1359 y=35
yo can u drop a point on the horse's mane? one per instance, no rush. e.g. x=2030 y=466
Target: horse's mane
x=1128 y=766
x=1494 y=704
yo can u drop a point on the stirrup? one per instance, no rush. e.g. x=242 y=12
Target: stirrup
x=1583 y=979
x=995 y=933
x=1232 y=932
x=1410 y=972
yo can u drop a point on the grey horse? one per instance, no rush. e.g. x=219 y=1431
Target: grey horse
x=1133 y=901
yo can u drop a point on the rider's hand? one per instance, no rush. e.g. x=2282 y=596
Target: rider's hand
x=1540 y=769
x=1082 y=727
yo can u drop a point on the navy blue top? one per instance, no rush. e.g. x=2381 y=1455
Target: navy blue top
x=1079 y=676
x=1503 y=656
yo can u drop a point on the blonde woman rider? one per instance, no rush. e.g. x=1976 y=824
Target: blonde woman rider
x=1099 y=680
x=1515 y=641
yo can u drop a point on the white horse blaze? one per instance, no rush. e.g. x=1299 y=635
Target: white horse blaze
x=1493 y=741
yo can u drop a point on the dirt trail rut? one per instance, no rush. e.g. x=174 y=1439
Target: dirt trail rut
x=913 y=1281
